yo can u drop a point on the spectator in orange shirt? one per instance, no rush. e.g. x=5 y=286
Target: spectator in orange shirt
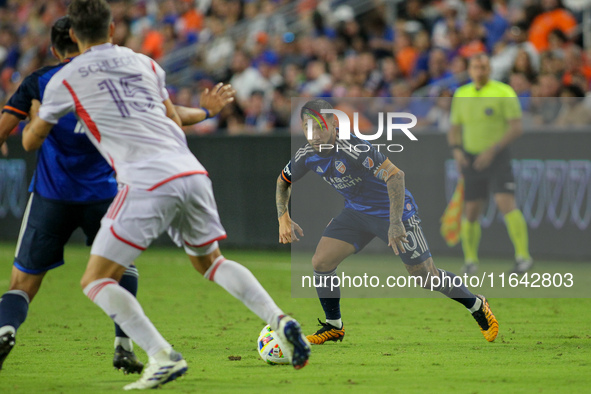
x=405 y=54
x=555 y=16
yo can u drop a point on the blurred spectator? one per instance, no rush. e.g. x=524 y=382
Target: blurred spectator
x=494 y=24
x=472 y=44
x=280 y=108
x=521 y=83
x=523 y=64
x=506 y=53
x=318 y=80
x=573 y=111
x=256 y=115
x=575 y=64
x=245 y=78
x=220 y=48
x=449 y=22
x=412 y=16
x=438 y=116
x=380 y=35
x=554 y=16
x=406 y=54
x=421 y=67
x=544 y=108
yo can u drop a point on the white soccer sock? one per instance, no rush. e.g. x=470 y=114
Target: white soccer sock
x=476 y=306
x=6 y=329
x=241 y=283
x=338 y=323
x=125 y=310
x=125 y=343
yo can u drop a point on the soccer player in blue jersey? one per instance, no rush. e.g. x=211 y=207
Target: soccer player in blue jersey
x=376 y=204
x=73 y=186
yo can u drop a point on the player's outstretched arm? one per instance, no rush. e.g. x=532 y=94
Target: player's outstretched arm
x=287 y=227
x=212 y=102
x=37 y=130
x=396 y=194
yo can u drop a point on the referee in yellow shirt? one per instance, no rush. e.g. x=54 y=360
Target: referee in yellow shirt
x=485 y=120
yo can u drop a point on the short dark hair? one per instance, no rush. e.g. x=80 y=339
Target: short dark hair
x=60 y=36
x=574 y=90
x=90 y=19
x=313 y=107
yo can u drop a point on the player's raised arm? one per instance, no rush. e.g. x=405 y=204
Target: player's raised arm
x=287 y=227
x=212 y=102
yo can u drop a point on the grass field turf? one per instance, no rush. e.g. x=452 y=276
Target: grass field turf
x=391 y=345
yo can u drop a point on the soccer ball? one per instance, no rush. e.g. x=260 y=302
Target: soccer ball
x=269 y=348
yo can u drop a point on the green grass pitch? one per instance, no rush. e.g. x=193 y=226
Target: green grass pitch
x=391 y=345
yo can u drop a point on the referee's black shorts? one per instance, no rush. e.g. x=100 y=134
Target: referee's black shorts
x=497 y=178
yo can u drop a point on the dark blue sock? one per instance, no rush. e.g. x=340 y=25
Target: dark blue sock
x=14 y=306
x=129 y=281
x=329 y=299
x=460 y=293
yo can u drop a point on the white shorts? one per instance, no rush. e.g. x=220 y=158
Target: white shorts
x=184 y=207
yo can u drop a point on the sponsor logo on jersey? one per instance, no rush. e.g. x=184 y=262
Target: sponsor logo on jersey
x=340 y=166
x=287 y=171
x=319 y=170
x=368 y=163
x=415 y=255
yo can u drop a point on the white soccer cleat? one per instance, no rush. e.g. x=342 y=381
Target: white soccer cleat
x=293 y=343
x=158 y=373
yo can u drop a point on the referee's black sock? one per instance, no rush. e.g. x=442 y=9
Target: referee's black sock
x=329 y=296
x=455 y=289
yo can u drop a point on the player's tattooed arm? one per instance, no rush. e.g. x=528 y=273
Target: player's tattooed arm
x=282 y=195
x=396 y=193
x=288 y=229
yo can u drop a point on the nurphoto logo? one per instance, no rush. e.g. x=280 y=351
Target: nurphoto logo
x=345 y=129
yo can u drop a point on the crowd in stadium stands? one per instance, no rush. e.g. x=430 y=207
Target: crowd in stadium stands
x=414 y=48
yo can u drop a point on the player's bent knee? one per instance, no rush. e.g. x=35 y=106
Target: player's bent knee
x=202 y=263
x=321 y=264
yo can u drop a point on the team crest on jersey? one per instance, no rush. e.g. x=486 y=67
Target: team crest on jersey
x=368 y=163
x=319 y=170
x=488 y=111
x=340 y=166
x=408 y=206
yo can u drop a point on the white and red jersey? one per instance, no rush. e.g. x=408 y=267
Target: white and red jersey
x=118 y=96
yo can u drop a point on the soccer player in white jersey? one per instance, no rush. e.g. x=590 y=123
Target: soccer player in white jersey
x=120 y=98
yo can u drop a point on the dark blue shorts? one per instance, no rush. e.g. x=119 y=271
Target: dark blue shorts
x=358 y=229
x=46 y=228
